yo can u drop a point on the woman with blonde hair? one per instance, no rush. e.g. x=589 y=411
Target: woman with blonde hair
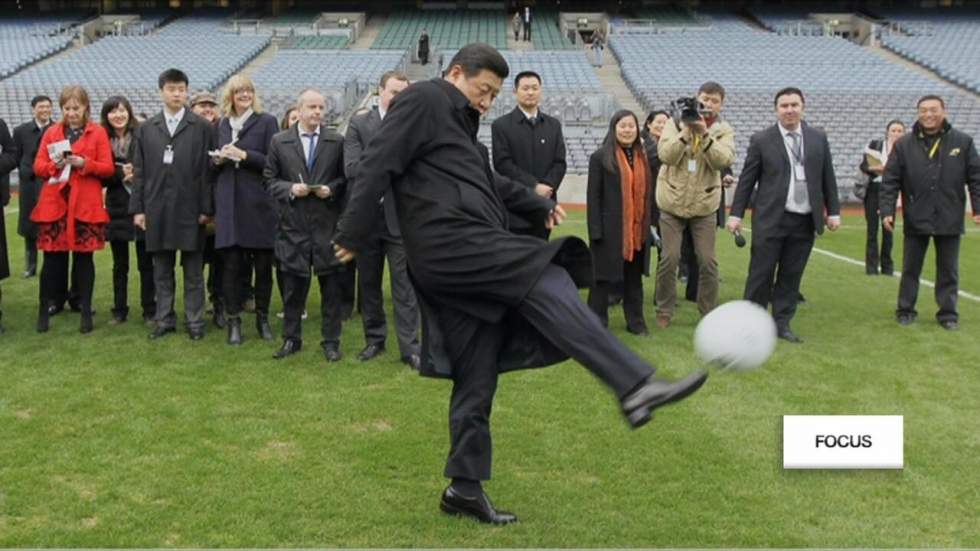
x=245 y=215
x=73 y=158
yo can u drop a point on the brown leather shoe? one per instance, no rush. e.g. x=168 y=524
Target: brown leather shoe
x=663 y=322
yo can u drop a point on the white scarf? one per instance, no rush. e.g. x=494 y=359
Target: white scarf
x=237 y=123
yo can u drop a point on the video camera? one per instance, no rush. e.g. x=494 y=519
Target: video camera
x=688 y=110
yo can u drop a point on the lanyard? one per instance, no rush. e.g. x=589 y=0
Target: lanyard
x=935 y=147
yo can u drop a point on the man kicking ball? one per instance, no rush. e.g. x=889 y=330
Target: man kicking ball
x=492 y=301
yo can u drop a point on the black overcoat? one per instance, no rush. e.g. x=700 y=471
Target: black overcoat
x=245 y=214
x=8 y=161
x=173 y=196
x=27 y=138
x=453 y=215
x=529 y=153
x=604 y=206
x=933 y=190
x=303 y=238
x=120 y=226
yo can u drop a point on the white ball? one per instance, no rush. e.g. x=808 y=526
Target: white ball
x=736 y=335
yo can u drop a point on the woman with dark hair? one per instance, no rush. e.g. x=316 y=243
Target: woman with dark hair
x=245 y=214
x=118 y=120
x=289 y=118
x=73 y=158
x=873 y=165
x=620 y=206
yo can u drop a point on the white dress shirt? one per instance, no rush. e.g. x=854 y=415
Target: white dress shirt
x=174 y=120
x=792 y=205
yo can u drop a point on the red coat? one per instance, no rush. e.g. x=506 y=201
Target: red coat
x=84 y=193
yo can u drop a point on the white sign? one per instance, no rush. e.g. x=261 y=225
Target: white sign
x=843 y=442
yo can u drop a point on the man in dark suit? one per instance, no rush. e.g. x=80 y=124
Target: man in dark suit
x=27 y=137
x=304 y=172
x=172 y=201
x=8 y=161
x=931 y=167
x=488 y=296
x=385 y=240
x=790 y=163
x=528 y=147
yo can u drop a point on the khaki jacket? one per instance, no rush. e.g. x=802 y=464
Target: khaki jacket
x=687 y=194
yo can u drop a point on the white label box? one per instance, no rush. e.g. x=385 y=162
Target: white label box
x=843 y=442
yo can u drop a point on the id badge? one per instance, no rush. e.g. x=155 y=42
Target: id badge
x=692 y=166
x=168 y=156
x=799 y=172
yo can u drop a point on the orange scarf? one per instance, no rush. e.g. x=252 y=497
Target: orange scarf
x=633 y=181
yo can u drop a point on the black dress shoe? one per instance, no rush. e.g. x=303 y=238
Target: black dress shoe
x=413 y=361
x=86 y=325
x=331 y=352
x=788 y=335
x=219 y=319
x=370 y=351
x=29 y=273
x=641 y=331
x=905 y=318
x=950 y=325
x=263 y=328
x=43 y=319
x=235 y=331
x=195 y=334
x=55 y=309
x=479 y=507
x=638 y=406
x=160 y=331
x=289 y=347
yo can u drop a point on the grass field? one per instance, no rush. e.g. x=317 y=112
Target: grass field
x=109 y=440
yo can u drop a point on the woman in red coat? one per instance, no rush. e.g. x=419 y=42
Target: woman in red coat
x=69 y=211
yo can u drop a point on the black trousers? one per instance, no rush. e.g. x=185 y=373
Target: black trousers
x=349 y=297
x=295 y=290
x=238 y=265
x=632 y=288
x=527 y=31
x=554 y=308
x=371 y=263
x=873 y=256
x=216 y=273
x=776 y=266
x=54 y=279
x=30 y=254
x=165 y=285
x=120 y=279
x=947 y=274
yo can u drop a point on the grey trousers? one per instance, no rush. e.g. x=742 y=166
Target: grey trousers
x=703 y=231
x=371 y=265
x=192 y=264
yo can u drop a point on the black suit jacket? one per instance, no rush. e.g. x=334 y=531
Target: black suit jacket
x=529 y=154
x=27 y=138
x=360 y=131
x=767 y=166
x=306 y=224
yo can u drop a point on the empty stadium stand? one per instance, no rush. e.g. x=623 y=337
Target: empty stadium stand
x=946 y=44
x=130 y=65
x=447 y=29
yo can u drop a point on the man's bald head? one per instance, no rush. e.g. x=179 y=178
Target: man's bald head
x=311 y=106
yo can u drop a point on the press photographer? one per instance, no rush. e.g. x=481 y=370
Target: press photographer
x=695 y=148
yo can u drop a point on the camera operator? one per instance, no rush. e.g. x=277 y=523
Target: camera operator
x=695 y=148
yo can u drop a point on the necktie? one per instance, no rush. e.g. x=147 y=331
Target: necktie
x=533 y=121
x=309 y=156
x=799 y=190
